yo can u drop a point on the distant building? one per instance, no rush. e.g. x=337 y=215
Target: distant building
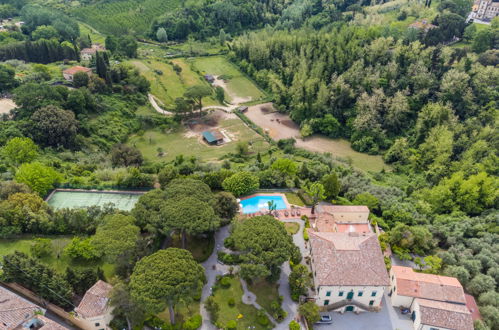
x=209 y=78
x=213 y=137
x=19 y=313
x=69 y=73
x=485 y=9
x=86 y=54
x=94 y=308
x=423 y=25
x=349 y=271
x=435 y=302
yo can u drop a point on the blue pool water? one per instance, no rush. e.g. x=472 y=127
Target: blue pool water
x=257 y=203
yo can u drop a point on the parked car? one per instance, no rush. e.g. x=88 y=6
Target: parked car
x=325 y=319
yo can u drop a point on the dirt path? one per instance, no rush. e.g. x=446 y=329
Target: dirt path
x=6 y=105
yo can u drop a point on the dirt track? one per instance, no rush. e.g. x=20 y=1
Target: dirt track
x=6 y=105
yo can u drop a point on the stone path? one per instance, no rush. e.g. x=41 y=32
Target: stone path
x=249 y=298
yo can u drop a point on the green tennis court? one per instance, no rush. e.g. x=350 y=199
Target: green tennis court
x=76 y=199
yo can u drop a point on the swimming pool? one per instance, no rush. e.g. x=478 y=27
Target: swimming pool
x=257 y=203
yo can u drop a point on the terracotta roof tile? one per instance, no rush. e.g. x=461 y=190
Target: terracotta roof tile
x=345 y=208
x=353 y=228
x=428 y=286
x=445 y=315
x=94 y=303
x=14 y=310
x=472 y=307
x=347 y=259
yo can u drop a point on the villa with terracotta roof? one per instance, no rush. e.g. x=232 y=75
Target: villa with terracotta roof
x=436 y=302
x=69 y=73
x=342 y=218
x=349 y=271
x=19 y=313
x=94 y=309
x=87 y=54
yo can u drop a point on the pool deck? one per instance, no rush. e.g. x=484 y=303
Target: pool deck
x=291 y=211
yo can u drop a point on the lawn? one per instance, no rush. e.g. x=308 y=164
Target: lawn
x=188 y=143
x=183 y=311
x=266 y=293
x=228 y=313
x=60 y=264
x=95 y=35
x=200 y=247
x=292 y=227
x=294 y=199
x=166 y=84
x=239 y=87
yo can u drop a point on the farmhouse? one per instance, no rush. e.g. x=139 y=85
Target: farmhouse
x=19 y=313
x=69 y=73
x=348 y=270
x=94 y=309
x=87 y=54
x=436 y=302
x=213 y=137
x=342 y=218
x=485 y=9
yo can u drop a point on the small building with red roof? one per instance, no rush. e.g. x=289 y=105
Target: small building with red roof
x=70 y=72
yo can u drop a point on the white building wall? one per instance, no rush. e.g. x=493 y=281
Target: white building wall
x=103 y=321
x=398 y=300
x=328 y=295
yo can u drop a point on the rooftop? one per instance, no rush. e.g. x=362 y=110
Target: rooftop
x=428 y=286
x=347 y=259
x=76 y=69
x=49 y=324
x=445 y=315
x=14 y=310
x=344 y=208
x=213 y=136
x=94 y=303
x=353 y=228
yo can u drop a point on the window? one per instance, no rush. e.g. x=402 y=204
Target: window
x=326 y=302
x=373 y=294
x=340 y=294
x=97 y=324
x=360 y=293
x=371 y=302
x=328 y=294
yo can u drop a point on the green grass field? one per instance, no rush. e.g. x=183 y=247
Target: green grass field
x=124 y=16
x=169 y=85
x=228 y=313
x=292 y=227
x=95 y=35
x=238 y=85
x=266 y=293
x=294 y=199
x=8 y=246
x=186 y=142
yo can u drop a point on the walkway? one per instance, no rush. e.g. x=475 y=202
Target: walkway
x=212 y=269
x=290 y=306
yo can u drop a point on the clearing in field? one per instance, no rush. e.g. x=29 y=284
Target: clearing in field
x=157 y=145
x=238 y=87
x=6 y=105
x=280 y=126
x=166 y=84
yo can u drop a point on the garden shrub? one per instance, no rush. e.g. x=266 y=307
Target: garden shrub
x=262 y=318
x=231 y=302
x=293 y=325
x=193 y=322
x=231 y=325
x=305 y=234
x=225 y=282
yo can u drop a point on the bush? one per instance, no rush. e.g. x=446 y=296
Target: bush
x=262 y=318
x=231 y=302
x=212 y=308
x=193 y=322
x=41 y=247
x=293 y=325
x=305 y=234
x=231 y=325
x=225 y=282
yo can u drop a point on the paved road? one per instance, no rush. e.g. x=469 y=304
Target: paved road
x=289 y=305
x=211 y=274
